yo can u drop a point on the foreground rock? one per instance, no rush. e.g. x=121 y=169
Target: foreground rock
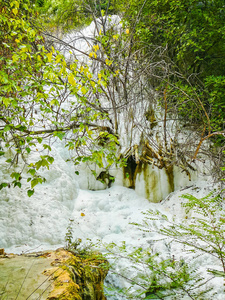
x=52 y=275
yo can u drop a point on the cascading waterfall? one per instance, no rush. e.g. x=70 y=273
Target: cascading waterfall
x=98 y=213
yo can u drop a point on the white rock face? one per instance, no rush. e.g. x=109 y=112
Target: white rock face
x=156 y=184
x=153 y=183
x=43 y=218
x=149 y=182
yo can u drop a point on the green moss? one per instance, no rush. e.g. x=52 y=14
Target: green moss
x=170 y=175
x=129 y=173
x=88 y=273
x=150 y=116
x=151 y=183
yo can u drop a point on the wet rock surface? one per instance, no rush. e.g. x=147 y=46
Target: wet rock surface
x=51 y=275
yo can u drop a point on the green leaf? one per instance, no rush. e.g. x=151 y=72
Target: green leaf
x=28 y=149
x=50 y=159
x=59 y=134
x=39 y=139
x=32 y=171
x=84 y=90
x=16 y=175
x=29 y=138
x=217 y=273
x=2 y=185
x=7 y=128
x=30 y=193
x=17 y=183
x=54 y=102
x=6 y=102
x=47 y=147
x=38 y=164
x=34 y=182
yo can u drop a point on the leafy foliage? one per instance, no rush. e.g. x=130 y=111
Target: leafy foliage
x=73 y=14
x=152 y=277
x=42 y=97
x=45 y=96
x=202 y=232
x=77 y=247
x=192 y=33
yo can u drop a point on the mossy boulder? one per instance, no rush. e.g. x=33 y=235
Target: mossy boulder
x=52 y=275
x=77 y=277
